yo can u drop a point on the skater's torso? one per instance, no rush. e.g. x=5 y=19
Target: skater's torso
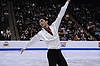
x=52 y=41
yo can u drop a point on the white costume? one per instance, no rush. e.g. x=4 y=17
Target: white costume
x=52 y=41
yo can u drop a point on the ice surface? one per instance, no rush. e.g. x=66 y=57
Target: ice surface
x=39 y=58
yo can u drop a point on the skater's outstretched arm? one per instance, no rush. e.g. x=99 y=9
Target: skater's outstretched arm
x=57 y=22
x=34 y=39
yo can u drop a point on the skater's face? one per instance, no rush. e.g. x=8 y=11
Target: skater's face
x=43 y=23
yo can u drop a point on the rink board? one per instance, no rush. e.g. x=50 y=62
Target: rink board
x=41 y=44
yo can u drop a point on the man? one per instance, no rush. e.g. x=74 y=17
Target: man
x=50 y=35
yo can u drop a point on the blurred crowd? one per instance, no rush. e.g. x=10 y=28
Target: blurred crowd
x=89 y=19
x=5 y=33
x=28 y=13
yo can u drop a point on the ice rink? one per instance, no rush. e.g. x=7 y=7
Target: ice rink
x=38 y=58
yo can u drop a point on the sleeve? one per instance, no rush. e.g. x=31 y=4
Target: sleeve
x=57 y=22
x=34 y=39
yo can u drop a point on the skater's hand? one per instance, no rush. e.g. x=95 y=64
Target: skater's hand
x=22 y=50
x=68 y=0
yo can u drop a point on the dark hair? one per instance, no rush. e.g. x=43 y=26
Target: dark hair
x=44 y=17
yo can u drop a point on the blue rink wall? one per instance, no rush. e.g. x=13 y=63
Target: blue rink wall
x=76 y=53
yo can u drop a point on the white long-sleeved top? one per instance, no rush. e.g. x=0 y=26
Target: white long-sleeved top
x=52 y=41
